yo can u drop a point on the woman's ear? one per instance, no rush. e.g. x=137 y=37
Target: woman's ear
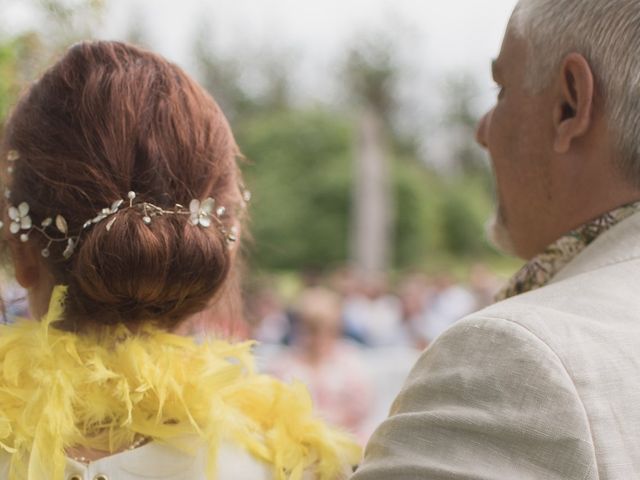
x=573 y=111
x=27 y=263
x=33 y=274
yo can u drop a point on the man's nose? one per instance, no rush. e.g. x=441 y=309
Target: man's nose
x=481 y=129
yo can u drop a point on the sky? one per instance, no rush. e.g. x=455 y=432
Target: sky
x=435 y=40
x=437 y=37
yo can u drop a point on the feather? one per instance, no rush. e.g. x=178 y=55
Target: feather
x=60 y=390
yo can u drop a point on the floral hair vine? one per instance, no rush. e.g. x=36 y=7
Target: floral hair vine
x=203 y=214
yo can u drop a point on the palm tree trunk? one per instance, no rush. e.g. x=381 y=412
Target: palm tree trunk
x=372 y=212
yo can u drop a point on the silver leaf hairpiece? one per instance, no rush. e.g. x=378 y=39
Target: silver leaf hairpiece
x=202 y=214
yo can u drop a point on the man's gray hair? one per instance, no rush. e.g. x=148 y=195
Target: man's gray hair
x=607 y=34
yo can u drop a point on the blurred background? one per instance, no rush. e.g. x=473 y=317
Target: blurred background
x=370 y=196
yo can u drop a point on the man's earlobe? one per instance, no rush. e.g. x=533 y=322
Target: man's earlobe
x=573 y=112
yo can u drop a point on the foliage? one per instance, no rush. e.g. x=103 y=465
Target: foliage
x=221 y=77
x=8 y=85
x=439 y=217
x=465 y=209
x=459 y=120
x=300 y=172
x=24 y=54
x=417 y=204
x=246 y=84
x=371 y=74
x=300 y=166
x=19 y=57
x=300 y=175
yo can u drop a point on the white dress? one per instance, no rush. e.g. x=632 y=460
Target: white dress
x=155 y=461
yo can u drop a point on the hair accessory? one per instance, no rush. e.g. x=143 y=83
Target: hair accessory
x=202 y=214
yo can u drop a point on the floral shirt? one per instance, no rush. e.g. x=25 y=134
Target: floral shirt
x=543 y=267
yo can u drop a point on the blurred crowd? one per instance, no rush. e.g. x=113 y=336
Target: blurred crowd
x=352 y=338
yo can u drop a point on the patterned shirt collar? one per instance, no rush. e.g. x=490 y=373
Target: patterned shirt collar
x=542 y=268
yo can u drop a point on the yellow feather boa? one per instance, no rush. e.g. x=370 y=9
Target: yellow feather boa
x=59 y=390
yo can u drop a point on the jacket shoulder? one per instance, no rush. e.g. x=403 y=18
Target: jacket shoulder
x=487 y=399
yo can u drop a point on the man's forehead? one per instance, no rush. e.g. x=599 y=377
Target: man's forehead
x=512 y=52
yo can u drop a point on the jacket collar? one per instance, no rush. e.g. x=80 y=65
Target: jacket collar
x=540 y=270
x=621 y=243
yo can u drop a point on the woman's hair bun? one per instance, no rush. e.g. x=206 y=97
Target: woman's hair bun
x=162 y=271
x=110 y=118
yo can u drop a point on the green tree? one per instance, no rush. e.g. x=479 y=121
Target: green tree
x=464 y=210
x=24 y=54
x=459 y=121
x=371 y=75
x=300 y=174
x=220 y=76
x=417 y=194
x=226 y=76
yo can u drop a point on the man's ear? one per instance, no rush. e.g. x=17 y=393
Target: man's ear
x=572 y=114
x=26 y=263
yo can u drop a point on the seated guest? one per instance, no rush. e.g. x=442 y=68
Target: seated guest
x=332 y=368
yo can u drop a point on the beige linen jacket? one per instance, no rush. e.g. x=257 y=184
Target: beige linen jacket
x=545 y=385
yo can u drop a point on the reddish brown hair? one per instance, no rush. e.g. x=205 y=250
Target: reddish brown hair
x=107 y=119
